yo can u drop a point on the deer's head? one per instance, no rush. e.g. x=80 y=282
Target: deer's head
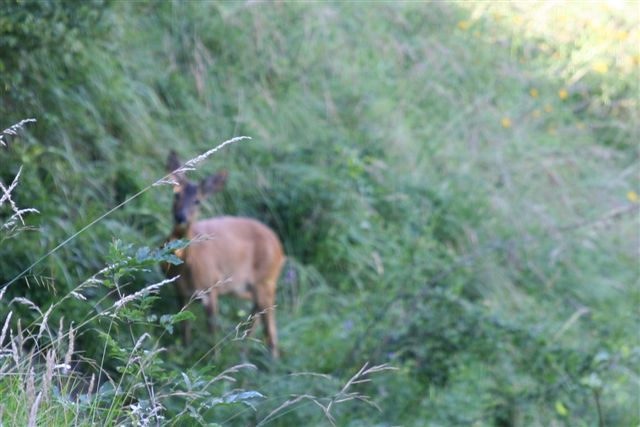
x=189 y=194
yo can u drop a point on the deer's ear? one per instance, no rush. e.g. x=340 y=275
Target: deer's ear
x=173 y=161
x=173 y=164
x=213 y=183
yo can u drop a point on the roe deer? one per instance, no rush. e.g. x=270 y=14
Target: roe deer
x=227 y=254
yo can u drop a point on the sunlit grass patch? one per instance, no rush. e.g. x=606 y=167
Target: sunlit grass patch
x=589 y=49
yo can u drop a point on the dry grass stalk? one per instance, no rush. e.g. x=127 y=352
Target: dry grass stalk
x=49 y=368
x=143 y=292
x=6 y=198
x=44 y=321
x=91 y=385
x=13 y=130
x=5 y=327
x=31 y=387
x=28 y=303
x=15 y=353
x=342 y=396
x=33 y=414
x=70 y=349
x=190 y=164
x=226 y=374
x=61 y=327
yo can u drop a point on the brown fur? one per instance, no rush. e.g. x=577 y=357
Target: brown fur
x=227 y=255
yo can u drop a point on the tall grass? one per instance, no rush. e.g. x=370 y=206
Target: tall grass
x=455 y=185
x=58 y=387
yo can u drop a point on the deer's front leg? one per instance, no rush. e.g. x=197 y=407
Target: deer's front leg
x=185 y=325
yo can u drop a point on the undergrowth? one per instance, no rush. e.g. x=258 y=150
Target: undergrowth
x=455 y=185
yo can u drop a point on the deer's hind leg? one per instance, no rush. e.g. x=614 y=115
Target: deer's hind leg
x=264 y=309
x=211 y=309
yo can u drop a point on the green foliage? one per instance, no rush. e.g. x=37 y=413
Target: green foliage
x=454 y=186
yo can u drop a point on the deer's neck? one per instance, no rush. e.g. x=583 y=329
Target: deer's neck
x=180 y=232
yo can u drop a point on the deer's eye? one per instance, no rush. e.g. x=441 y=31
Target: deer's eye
x=197 y=202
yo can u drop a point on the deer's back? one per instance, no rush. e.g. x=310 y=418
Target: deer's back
x=232 y=253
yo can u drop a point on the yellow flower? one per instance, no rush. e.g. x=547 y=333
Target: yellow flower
x=506 y=122
x=600 y=67
x=633 y=197
x=518 y=19
x=548 y=108
x=563 y=93
x=464 y=25
x=552 y=130
x=581 y=125
x=535 y=113
x=533 y=92
x=622 y=35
